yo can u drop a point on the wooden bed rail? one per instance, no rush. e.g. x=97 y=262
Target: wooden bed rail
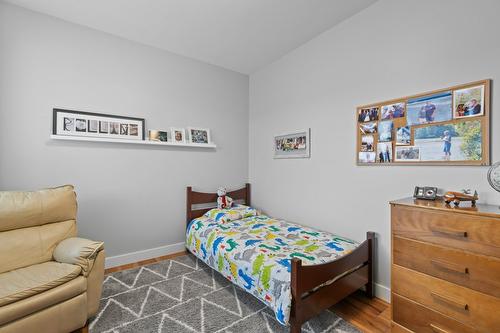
x=305 y=278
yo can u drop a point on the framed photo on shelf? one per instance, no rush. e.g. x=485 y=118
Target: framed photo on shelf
x=178 y=135
x=155 y=135
x=198 y=135
x=100 y=125
x=293 y=144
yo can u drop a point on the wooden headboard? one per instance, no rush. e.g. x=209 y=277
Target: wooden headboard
x=200 y=198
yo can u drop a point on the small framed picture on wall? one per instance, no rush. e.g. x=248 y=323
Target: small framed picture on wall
x=295 y=144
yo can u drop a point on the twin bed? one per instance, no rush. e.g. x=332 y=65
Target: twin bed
x=295 y=270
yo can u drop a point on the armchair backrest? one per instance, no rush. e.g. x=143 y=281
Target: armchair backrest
x=33 y=223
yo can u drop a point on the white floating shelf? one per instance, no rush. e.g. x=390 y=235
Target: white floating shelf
x=136 y=142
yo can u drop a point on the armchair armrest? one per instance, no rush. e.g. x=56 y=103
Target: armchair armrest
x=78 y=251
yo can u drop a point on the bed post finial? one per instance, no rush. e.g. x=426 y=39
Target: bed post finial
x=247 y=194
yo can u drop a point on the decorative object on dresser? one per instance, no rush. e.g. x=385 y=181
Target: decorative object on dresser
x=97 y=125
x=458 y=197
x=427 y=192
x=445 y=267
x=447 y=126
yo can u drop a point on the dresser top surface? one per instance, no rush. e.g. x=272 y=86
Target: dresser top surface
x=464 y=208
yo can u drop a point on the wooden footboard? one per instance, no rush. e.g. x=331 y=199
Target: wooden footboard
x=307 y=302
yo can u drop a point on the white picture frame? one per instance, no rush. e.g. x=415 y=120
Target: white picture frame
x=174 y=132
x=294 y=144
x=197 y=135
x=98 y=125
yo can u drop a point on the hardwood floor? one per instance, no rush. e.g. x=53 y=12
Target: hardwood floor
x=368 y=315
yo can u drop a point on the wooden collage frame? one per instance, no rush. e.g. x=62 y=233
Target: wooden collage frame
x=402 y=121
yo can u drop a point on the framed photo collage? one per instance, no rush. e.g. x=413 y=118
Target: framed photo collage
x=448 y=126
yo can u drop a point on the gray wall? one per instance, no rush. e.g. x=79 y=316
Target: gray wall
x=130 y=196
x=393 y=48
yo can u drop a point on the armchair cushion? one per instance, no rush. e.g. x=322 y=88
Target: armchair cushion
x=28 y=281
x=43 y=300
x=78 y=251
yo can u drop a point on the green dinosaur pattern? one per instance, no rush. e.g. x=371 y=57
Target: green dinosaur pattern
x=211 y=239
x=232 y=244
x=301 y=255
x=271 y=248
x=266 y=276
x=310 y=233
x=220 y=263
x=257 y=264
x=311 y=248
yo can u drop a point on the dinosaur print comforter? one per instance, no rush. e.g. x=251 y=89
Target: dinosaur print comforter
x=255 y=253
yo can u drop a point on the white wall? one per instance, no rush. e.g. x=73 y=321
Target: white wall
x=393 y=48
x=130 y=196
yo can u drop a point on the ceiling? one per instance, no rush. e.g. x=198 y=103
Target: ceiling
x=241 y=35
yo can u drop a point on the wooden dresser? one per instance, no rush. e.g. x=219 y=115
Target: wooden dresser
x=445 y=267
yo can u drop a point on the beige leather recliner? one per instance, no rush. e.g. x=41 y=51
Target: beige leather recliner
x=50 y=280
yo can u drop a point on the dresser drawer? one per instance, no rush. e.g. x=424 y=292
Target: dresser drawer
x=478 y=272
x=468 y=306
x=462 y=231
x=418 y=318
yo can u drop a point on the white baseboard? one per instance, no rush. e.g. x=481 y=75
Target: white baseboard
x=383 y=292
x=133 y=257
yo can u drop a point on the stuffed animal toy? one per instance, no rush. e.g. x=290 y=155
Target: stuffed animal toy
x=223 y=201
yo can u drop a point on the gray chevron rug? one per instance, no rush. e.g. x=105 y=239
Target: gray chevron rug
x=184 y=295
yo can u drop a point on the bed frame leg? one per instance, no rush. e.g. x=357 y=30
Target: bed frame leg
x=370 y=236
x=295 y=327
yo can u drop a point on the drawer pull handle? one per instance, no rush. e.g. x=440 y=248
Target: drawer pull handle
x=450 y=266
x=450 y=232
x=452 y=301
x=437 y=329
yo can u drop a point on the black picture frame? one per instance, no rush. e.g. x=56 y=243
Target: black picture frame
x=55 y=111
